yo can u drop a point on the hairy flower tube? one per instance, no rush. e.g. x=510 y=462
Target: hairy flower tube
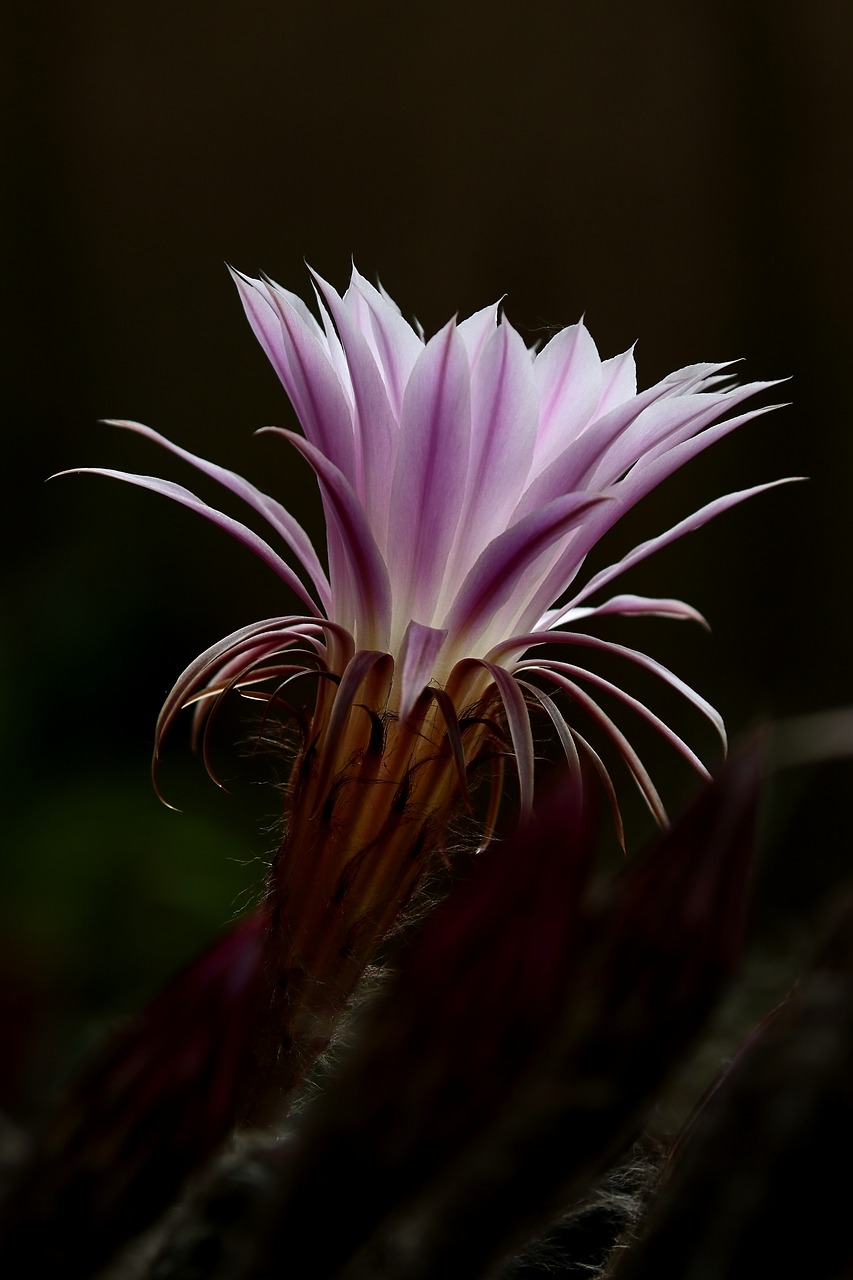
x=464 y=480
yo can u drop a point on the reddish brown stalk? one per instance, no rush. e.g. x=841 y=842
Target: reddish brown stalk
x=371 y=796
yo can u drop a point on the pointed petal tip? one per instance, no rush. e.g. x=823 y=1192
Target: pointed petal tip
x=241 y=280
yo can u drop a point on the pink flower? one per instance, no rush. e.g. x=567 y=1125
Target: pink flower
x=465 y=479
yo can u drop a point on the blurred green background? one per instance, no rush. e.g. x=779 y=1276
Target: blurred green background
x=678 y=172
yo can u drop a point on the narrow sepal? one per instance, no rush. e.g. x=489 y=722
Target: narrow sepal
x=237 y=530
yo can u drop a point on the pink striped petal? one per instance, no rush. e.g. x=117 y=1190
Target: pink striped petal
x=370 y=587
x=590 y=677
x=627 y=493
x=691 y=377
x=642 y=606
x=293 y=300
x=356 y=672
x=618 y=382
x=558 y=720
x=273 y=512
x=454 y=736
x=333 y=344
x=476 y=331
x=430 y=476
x=222 y=655
x=302 y=362
x=241 y=673
x=567 y=471
x=662 y=426
x=648 y=548
x=374 y=423
x=501 y=572
x=571 y=469
x=237 y=530
x=504 y=416
x=520 y=643
x=416 y=663
x=637 y=769
x=205 y=713
x=518 y=723
x=568 y=736
x=568 y=374
x=394 y=343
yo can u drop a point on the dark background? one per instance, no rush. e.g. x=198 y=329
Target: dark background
x=678 y=171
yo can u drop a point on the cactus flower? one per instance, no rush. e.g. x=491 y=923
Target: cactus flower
x=464 y=479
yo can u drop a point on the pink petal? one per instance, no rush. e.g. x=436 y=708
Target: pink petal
x=648 y=548
x=293 y=300
x=568 y=374
x=369 y=585
x=415 y=664
x=476 y=331
x=558 y=720
x=568 y=736
x=504 y=416
x=590 y=677
x=454 y=736
x=569 y=470
x=691 y=377
x=618 y=382
x=643 y=606
x=501 y=571
x=281 y=520
x=430 y=476
x=518 y=723
x=239 y=531
x=394 y=343
x=635 y=765
x=302 y=362
x=518 y=644
x=664 y=425
x=627 y=493
x=615 y=441
x=222 y=656
x=356 y=672
x=374 y=423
